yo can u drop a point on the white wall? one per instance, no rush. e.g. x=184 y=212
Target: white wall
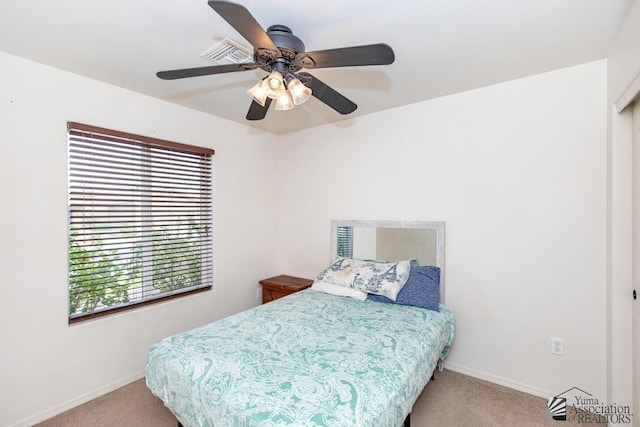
x=45 y=365
x=623 y=66
x=518 y=173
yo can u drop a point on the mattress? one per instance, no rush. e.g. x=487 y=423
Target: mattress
x=308 y=359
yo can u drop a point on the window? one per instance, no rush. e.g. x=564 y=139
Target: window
x=139 y=220
x=345 y=241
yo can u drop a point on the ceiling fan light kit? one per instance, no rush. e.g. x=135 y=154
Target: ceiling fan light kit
x=281 y=54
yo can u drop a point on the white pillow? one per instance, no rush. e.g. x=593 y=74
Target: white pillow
x=341 y=291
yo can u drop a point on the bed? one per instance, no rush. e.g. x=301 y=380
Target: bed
x=307 y=359
x=313 y=358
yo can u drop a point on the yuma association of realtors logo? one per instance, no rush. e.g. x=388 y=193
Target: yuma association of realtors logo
x=557 y=408
x=587 y=408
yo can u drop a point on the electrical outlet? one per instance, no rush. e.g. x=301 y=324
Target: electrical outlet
x=258 y=293
x=557 y=346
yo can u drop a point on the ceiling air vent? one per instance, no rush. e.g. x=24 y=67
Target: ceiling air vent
x=228 y=52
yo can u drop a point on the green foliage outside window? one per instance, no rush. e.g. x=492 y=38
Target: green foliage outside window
x=175 y=264
x=103 y=278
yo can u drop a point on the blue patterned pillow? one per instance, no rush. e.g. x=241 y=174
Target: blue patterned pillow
x=374 y=277
x=421 y=290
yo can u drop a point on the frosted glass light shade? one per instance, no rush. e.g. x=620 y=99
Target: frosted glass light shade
x=274 y=85
x=284 y=101
x=299 y=92
x=275 y=80
x=258 y=93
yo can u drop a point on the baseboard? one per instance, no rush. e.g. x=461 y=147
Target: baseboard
x=499 y=380
x=70 y=404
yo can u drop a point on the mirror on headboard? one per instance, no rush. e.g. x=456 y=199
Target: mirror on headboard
x=390 y=241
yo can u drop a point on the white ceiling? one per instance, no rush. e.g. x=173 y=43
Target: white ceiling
x=441 y=46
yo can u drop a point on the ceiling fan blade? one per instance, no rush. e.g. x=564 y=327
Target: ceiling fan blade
x=372 y=54
x=204 y=71
x=328 y=95
x=243 y=22
x=257 y=111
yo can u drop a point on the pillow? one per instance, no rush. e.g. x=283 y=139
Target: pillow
x=340 y=291
x=374 y=277
x=421 y=290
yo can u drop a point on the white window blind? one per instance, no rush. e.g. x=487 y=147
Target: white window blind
x=345 y=241
x=140 y=222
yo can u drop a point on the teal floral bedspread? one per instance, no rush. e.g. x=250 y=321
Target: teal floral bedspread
x=309 y=359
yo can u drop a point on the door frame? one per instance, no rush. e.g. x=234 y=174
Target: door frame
x=628 y=120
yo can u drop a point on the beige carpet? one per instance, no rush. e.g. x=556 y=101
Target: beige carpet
x=453 y=399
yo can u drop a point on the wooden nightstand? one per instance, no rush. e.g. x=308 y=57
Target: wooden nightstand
x=280 y=286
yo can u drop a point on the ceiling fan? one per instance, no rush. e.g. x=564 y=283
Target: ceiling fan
x=281 y=54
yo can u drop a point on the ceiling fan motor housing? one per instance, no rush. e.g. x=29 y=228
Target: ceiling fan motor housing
x=288 y=45
x=283 y=37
